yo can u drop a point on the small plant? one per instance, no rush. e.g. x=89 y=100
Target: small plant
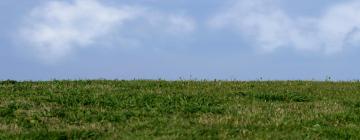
x=282 y=97
x=8 y=82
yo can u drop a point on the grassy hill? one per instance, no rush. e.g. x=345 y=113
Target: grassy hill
x=101 y=109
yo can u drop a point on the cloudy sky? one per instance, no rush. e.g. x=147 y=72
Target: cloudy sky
x=173 y=39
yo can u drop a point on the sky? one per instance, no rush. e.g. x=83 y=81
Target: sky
x=180 y=39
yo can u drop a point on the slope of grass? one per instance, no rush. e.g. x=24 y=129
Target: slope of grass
x=139 y=109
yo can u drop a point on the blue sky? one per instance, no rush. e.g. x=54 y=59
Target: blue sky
x=169 y=39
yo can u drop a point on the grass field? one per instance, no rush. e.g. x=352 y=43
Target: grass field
x=101 y=109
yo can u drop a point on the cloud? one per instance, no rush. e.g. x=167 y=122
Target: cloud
x=57 y=28
x=271 y=28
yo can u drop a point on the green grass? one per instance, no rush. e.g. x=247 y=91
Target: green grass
x=101 y=109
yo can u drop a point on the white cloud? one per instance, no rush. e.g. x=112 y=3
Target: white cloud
x=57 y=28
x=181 y=24
x=270 y=27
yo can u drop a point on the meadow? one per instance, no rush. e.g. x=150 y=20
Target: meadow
x=145 y=109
